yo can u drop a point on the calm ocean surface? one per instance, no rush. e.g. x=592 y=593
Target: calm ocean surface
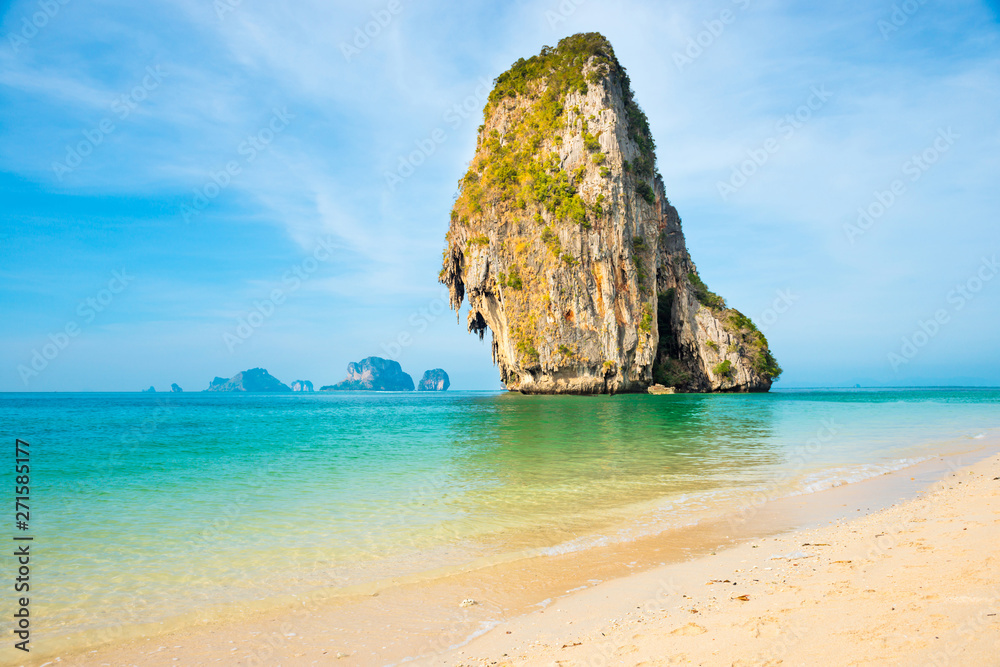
x=152 y=507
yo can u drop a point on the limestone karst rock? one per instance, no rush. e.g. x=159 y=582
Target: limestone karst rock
x=569 y=252
x=253 y=380
x=373 y=374
x=434 y=380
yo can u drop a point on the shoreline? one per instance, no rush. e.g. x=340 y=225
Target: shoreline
x=917 y=582
x=424 y=621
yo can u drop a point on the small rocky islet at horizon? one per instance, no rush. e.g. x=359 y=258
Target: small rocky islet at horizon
x=174 y=389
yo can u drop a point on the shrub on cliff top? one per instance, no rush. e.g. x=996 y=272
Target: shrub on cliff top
x=761 y=359
x=562 y=67
x=766 y=365
x=705 y=296
x=510 y=168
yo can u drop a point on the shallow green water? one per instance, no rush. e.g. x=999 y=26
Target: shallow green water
x=147 y=507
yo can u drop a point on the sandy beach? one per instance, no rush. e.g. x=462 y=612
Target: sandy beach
x=868 y=581
x=913 y=584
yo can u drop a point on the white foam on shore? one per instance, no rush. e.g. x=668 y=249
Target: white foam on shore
x=691 y=509
x=828 y=479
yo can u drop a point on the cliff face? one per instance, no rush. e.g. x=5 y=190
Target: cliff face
x=564 y=242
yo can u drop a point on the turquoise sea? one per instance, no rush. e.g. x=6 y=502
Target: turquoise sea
x=157 y=507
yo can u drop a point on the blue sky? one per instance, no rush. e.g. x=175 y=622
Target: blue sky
x=223 y=154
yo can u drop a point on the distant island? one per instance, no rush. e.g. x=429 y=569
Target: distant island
x=434 y=380
x=253 y=380
x=174 y=388
x=370 y=374
x=373 y=374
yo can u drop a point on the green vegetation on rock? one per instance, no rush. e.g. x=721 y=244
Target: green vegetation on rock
x=705 y=296
x=561 y=67
x=514 y=167
x=646 y=323
x=723 y=369
x=550 y=239
x=527 y=349
x=761 y=359
x=646 y=192
x=512 y=279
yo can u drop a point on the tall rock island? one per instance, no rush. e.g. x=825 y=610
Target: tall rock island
x=565 y=245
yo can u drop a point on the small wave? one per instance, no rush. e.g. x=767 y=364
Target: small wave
x=829 y=479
